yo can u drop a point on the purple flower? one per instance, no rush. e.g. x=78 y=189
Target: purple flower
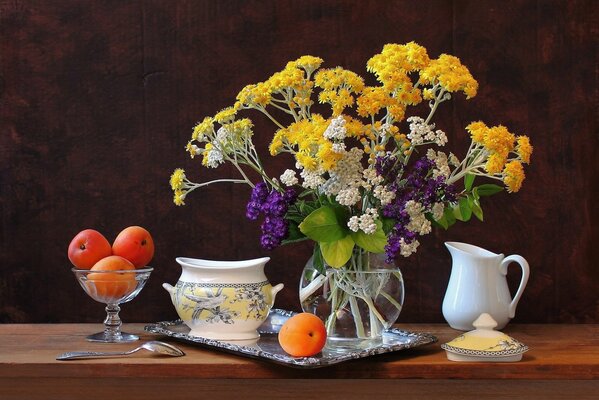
x=273 y=205
x=259 y=193
x=419 y=186
x=252 y=210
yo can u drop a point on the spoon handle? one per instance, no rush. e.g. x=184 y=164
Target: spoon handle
x=73 y=355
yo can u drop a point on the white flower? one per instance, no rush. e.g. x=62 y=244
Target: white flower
x=354 y=224
x=348 y=196
x=441 y=163
x=347 y=173
x=215 y=157
x=441 y=139
x=453 y=160
x=384 y=195
x=418 y=222
x=312 y=179
x=336 y=129
x=368 y=224
x=408 y=249
x=288 y=178
x=339 y=147
x=421 y=133
x=438 y=210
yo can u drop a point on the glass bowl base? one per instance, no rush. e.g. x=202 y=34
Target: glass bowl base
x=103 y=337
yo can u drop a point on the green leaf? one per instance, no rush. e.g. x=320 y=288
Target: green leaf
x=388 y=224
x=468 y=181
x=448 y=214
x=477 y=210
x=338 y=252
x=323 y=225
x=317 y=260
x=294 y=234
x=488 y=189
x=465 y=211
x=375 y=242
x=442 y=222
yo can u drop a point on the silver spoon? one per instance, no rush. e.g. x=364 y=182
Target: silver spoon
x=155 y=346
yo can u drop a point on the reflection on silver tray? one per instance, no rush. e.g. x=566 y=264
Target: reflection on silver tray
x=268 y=348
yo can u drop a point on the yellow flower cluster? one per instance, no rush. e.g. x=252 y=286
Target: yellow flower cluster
x=392 y=65
x=449 y=72
x=177 y=182
x=305 y=140
x=337 y=86
x=498 y=143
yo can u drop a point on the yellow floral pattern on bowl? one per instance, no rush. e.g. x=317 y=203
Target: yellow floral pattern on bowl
x=223 y=303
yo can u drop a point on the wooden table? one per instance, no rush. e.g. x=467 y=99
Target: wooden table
x=563 y=362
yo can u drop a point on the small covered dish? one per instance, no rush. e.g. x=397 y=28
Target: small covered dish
x=484 y=344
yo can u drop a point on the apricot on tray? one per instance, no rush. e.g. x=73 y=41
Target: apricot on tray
x=303 y=335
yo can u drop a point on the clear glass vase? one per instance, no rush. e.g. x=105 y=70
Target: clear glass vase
x=357 y=302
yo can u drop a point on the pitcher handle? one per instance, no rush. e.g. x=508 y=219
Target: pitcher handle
x=525 y=274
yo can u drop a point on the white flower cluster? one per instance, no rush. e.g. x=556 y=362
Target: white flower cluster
x=421 y=133
x=346 y=174
x=408 y=249
x=288 y=178
x=418 y=222
x=441 y=163
x=336 y=129
x=366 y=222
x=383 y=194
x=311 y=179
x=348 y=196
x=437 y=210
x=215 y=155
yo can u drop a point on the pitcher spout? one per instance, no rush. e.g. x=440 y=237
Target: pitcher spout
x=456 y=248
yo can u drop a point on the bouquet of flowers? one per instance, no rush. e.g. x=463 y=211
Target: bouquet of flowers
x=366 y=176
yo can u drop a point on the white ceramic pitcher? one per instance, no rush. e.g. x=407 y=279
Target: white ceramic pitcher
x=478 y=285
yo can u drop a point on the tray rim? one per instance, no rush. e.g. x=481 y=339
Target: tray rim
x=420 y=339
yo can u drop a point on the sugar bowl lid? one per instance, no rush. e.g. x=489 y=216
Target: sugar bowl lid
x=484 y=344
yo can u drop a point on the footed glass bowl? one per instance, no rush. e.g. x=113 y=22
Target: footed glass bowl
x=112 y=288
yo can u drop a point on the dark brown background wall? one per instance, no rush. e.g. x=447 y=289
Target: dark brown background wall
x=98 y=99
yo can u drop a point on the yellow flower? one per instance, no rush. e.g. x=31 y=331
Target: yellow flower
x=513 y=175
x=179 y=197
x=309 y=63
x=495 y=163
x=177 y=179
x=327 y=157
x=499 y=140
x=524 y=148
x=393 y=63
x=226 y=115
x=477 y=130
x=202 y=129
x=306 y=160
x=258 y=94
x=449 y=72
x=337 y=86
x=372 y=100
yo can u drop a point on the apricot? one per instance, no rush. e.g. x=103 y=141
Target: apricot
x=107 y=286
x=87 y=248
x=135 y=244
x=303 y=335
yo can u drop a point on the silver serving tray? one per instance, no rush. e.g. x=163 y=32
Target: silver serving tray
x=267 y=346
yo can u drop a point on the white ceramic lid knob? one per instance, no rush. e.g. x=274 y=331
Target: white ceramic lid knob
x=485 y=321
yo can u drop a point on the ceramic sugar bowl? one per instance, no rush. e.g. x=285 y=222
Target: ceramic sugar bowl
x=223 y=300
x=484 y=344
